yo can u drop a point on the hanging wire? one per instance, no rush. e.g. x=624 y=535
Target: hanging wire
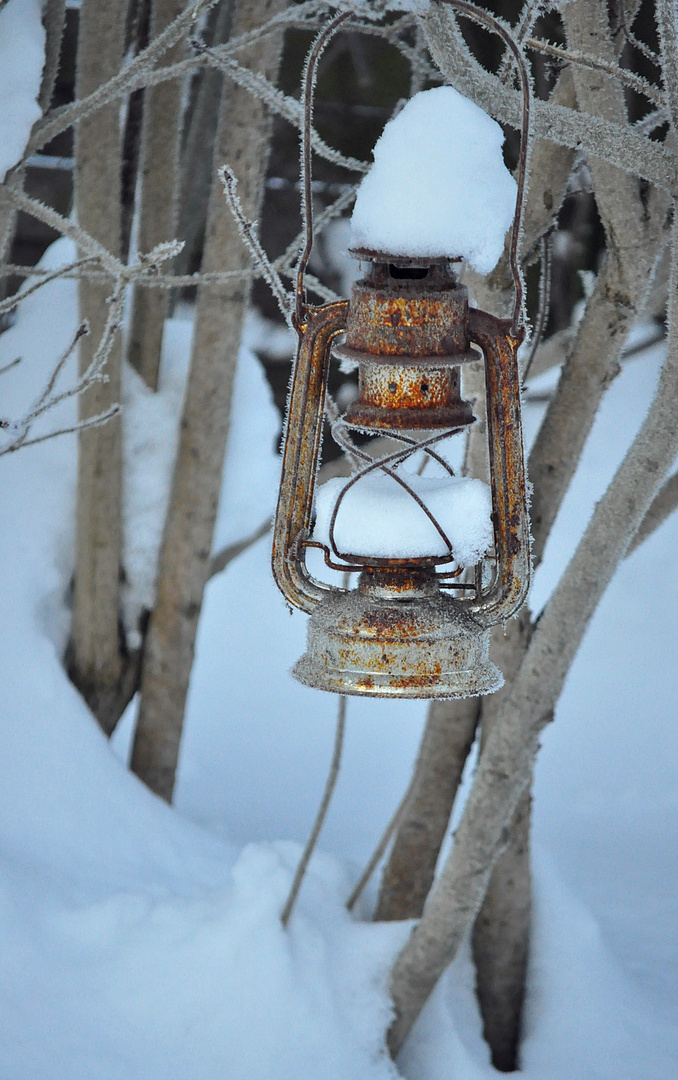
x=310 y=74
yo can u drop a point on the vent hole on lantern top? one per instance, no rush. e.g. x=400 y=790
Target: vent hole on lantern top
x=409 y=273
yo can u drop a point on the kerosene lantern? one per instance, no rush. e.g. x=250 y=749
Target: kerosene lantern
x=418 y=623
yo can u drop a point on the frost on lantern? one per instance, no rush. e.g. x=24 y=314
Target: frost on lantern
x=441 y=558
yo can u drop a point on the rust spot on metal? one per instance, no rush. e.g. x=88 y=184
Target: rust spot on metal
x=408 y=336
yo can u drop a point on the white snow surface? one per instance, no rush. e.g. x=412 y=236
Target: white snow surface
x=22 y=55
x=141 y=941
x=438 y=185
x=377 y=517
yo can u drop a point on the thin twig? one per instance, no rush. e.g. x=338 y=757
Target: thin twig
x=93 y=421
x=10 y=365
x=247 y=230
x=62 y=225
x=573 y=56
x=45 y=277
x=668 y=38
x=528 y=16
x=320 y=816
x=139 y=276
x=61 y=119
x=544 y=300
x=280 y=104
x=138 y=73
x=226 y=555
x=82 y=330
x=291 y=254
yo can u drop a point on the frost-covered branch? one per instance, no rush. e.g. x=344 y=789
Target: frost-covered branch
x=248 y=232
x=18 y=431
x=282 y=105
x=17 y=443
x=85 y=241
x=628 y=78
x=618 y=143
x=140 y=72
x=119 y=85
x=72 y=269
x=667 y=21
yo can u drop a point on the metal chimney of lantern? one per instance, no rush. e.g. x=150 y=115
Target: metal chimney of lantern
x=413 y=627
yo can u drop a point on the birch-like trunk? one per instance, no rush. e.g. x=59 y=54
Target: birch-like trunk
x=96 y=661
x=242 y=142
x=160 y=145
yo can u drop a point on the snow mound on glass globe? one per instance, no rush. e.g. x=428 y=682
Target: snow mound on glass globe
x=378 y=518
x=438 y=186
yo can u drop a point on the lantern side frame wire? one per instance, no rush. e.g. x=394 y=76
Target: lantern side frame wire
x=396 y=458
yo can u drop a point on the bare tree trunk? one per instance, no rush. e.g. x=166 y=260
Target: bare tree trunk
x=501 y=934
x=242 y=141
x=96 y=661
x=633 y=245
x=197 y=166
x=161 y=139
x=505 y=766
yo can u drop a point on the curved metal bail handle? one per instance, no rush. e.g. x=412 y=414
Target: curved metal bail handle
x=300 y=456
x=505 y=436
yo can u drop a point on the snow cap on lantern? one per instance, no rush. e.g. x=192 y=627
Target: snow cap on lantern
x=438 y=186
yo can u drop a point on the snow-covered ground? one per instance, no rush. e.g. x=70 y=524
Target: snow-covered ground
x=143 y=942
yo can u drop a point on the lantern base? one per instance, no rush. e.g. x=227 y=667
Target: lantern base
x=396 y=643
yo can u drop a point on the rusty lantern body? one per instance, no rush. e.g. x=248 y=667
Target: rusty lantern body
x=412 y=627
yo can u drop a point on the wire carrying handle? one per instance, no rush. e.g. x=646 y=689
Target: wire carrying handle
x=489 y=22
